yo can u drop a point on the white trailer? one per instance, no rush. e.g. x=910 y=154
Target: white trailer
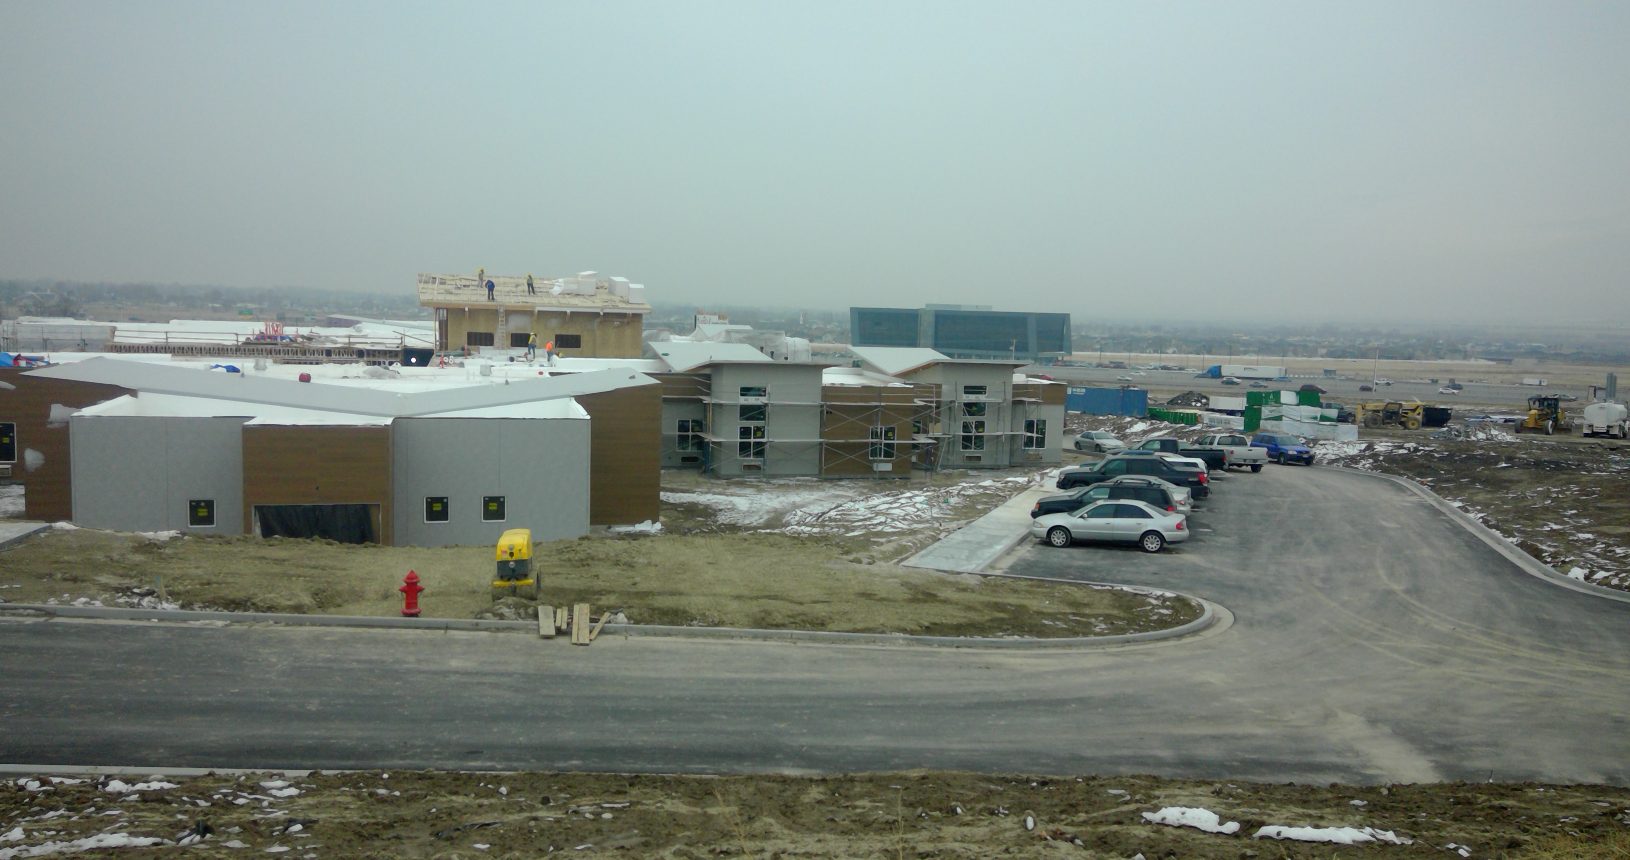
x=1534 y=380
x=1607 y=419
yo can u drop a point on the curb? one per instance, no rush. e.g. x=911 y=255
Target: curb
x=19 y=538
x=1522 y=560
x=1209 y=616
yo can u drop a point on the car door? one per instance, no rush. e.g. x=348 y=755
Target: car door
x=1098 y=522
x=1130 y=522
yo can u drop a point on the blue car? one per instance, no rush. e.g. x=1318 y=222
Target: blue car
x=1283 y=448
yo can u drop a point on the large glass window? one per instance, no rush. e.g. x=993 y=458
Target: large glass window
x=751 y=391
x=690 y=432
x=882 y=444
x=750 y=442
x=1035 y=433
x=973 y=435
x=752 y=413
x=974 y=410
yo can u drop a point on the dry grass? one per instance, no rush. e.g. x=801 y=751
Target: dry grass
x=730 y=580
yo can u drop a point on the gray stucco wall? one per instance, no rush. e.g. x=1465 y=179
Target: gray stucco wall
x=1052 y=450
x=137 y=473
x=672 y=412
x=794 y=416
x=998 y=382
x=539 y=466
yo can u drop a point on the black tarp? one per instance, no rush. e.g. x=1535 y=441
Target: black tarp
x=342 y=523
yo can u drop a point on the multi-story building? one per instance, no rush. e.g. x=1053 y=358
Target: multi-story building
x=585 y=315
x=963 y=331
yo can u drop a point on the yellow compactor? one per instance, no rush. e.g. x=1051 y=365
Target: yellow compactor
x=513 y=576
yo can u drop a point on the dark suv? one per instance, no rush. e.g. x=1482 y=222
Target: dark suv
x=1155 y=496
x=1084 y=476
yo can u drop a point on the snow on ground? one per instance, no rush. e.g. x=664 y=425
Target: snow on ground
x=1336 y=835
x=11 y=501
x=1190 y=816
x=810 y=506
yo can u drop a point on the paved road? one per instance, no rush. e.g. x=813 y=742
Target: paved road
x=1476 y=399
x=1372 y=640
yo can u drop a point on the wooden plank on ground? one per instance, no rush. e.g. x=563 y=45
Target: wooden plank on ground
x=546 y=621
x=563 y=618
x=604 y=617
x=580 y=624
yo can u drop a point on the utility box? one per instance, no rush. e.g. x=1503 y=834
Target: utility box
x=512 y=574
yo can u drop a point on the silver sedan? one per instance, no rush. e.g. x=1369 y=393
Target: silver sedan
x=1117 y=521
x=1098 y=441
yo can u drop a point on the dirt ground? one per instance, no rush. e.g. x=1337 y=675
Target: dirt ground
x=941 y=815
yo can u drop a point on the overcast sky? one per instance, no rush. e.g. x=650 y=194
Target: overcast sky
x=1325 y=160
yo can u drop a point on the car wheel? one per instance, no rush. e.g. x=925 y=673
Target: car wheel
x=1152 y=542
x=1058 y=536
x=1256 y=467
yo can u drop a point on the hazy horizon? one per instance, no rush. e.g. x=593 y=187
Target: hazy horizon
x=1456 y=161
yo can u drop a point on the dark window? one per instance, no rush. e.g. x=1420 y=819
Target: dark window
x=754 y=391
x=478 y=338
x=974 y=390
x=201 y=513
x=689 y=434
x=1115 y=467
x=435 y=509
x=492 y=509
x=882 y=444
x=8 y=442
x=1035 y=433
x=568 y=341
x=1133 y=512
x=751 y=444
x=519 y=338
x=752 y=413
x=974 y=410
x=883 y=326
x=973 y=435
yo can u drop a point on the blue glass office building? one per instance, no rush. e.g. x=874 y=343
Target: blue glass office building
x=962 y=332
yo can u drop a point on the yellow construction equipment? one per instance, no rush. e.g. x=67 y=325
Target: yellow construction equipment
x=1391 y=413
x=513 y=576
x=1545 y=415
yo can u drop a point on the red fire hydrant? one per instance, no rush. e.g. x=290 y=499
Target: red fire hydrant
x=411 y=589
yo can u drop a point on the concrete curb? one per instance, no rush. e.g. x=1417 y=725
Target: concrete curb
x=19 y=538
x=1523 y=561
x=1208 y=617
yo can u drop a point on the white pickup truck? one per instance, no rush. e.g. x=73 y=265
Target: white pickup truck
x=1237 y=450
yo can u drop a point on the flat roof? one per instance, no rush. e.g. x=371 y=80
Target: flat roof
x=552 y=294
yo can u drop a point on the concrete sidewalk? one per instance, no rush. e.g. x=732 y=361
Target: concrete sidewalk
x=980 y=543
x=12 y=531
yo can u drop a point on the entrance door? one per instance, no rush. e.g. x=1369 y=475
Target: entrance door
x=341 y=523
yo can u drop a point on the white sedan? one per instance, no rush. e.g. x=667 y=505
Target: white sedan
x=1118 y=520
x=1447 y=390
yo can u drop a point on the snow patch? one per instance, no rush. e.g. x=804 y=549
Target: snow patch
x=89 y=843
x=117 y=786
x=1336 y=835
x=1191 y=816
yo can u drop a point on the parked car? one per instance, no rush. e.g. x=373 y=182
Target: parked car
x=1123 y=378
x=1167 y=445
x=1237 y=450
x=1283 y=448
x=1259 y=385
x=1116 y=521
x=1447 y=390
x=1196 y=462
x=1366 y=388
x=1098 y=441
x=1229 y=380
x=1137 y=489
x=1111 y=468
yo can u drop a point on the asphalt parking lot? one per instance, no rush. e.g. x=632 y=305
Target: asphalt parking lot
x=1372 y=640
